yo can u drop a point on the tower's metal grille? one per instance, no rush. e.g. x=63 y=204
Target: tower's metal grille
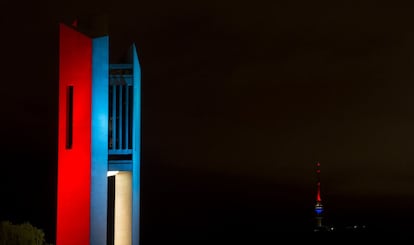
x=120 y=112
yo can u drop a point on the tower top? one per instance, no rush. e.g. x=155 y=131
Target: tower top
x=92 y=25
x=318 y=183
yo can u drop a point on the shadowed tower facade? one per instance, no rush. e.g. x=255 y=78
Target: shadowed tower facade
x=99 y=143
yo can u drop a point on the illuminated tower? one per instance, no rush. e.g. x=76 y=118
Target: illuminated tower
x=98 y=136
x=318 y=205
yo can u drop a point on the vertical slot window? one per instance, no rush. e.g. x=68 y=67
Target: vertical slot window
x=111 y=114
x=130 y=110
x=118 y=118
x=69 y=117
x=111 y=211
x=123 y=117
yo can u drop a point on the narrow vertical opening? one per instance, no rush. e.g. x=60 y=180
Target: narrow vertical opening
x=130 y=110
x=118 y=118
x=123 y=118
x=110 y=124
x=69 y=117
x=111 y=211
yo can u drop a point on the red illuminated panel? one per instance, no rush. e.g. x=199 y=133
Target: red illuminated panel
x=74 y=144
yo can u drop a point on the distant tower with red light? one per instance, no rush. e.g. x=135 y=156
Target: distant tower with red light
x=318 y=205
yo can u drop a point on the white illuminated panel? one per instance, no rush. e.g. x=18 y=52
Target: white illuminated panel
x=112 y=173
x=123 y=209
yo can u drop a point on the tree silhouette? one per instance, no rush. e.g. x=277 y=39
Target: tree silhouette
x=22 y=234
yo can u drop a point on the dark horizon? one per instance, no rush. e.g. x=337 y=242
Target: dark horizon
x=239 y=101
x=194 y=208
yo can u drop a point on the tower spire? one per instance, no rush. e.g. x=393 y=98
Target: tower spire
x=318 y=173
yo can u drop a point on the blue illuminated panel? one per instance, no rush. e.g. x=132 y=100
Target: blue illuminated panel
x=99 y=147
x=136 y=146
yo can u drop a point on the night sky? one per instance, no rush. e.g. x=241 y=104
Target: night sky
x=239 y=102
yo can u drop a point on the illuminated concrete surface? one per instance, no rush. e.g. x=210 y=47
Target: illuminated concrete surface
x=123 y=208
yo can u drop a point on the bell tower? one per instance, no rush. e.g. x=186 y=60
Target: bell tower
x=99 y=136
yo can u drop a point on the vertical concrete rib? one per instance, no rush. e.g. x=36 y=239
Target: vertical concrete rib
x=99 y=150
x=136 y=147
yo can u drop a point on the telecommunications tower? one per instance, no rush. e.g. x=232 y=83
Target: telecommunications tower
x=318 y=205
